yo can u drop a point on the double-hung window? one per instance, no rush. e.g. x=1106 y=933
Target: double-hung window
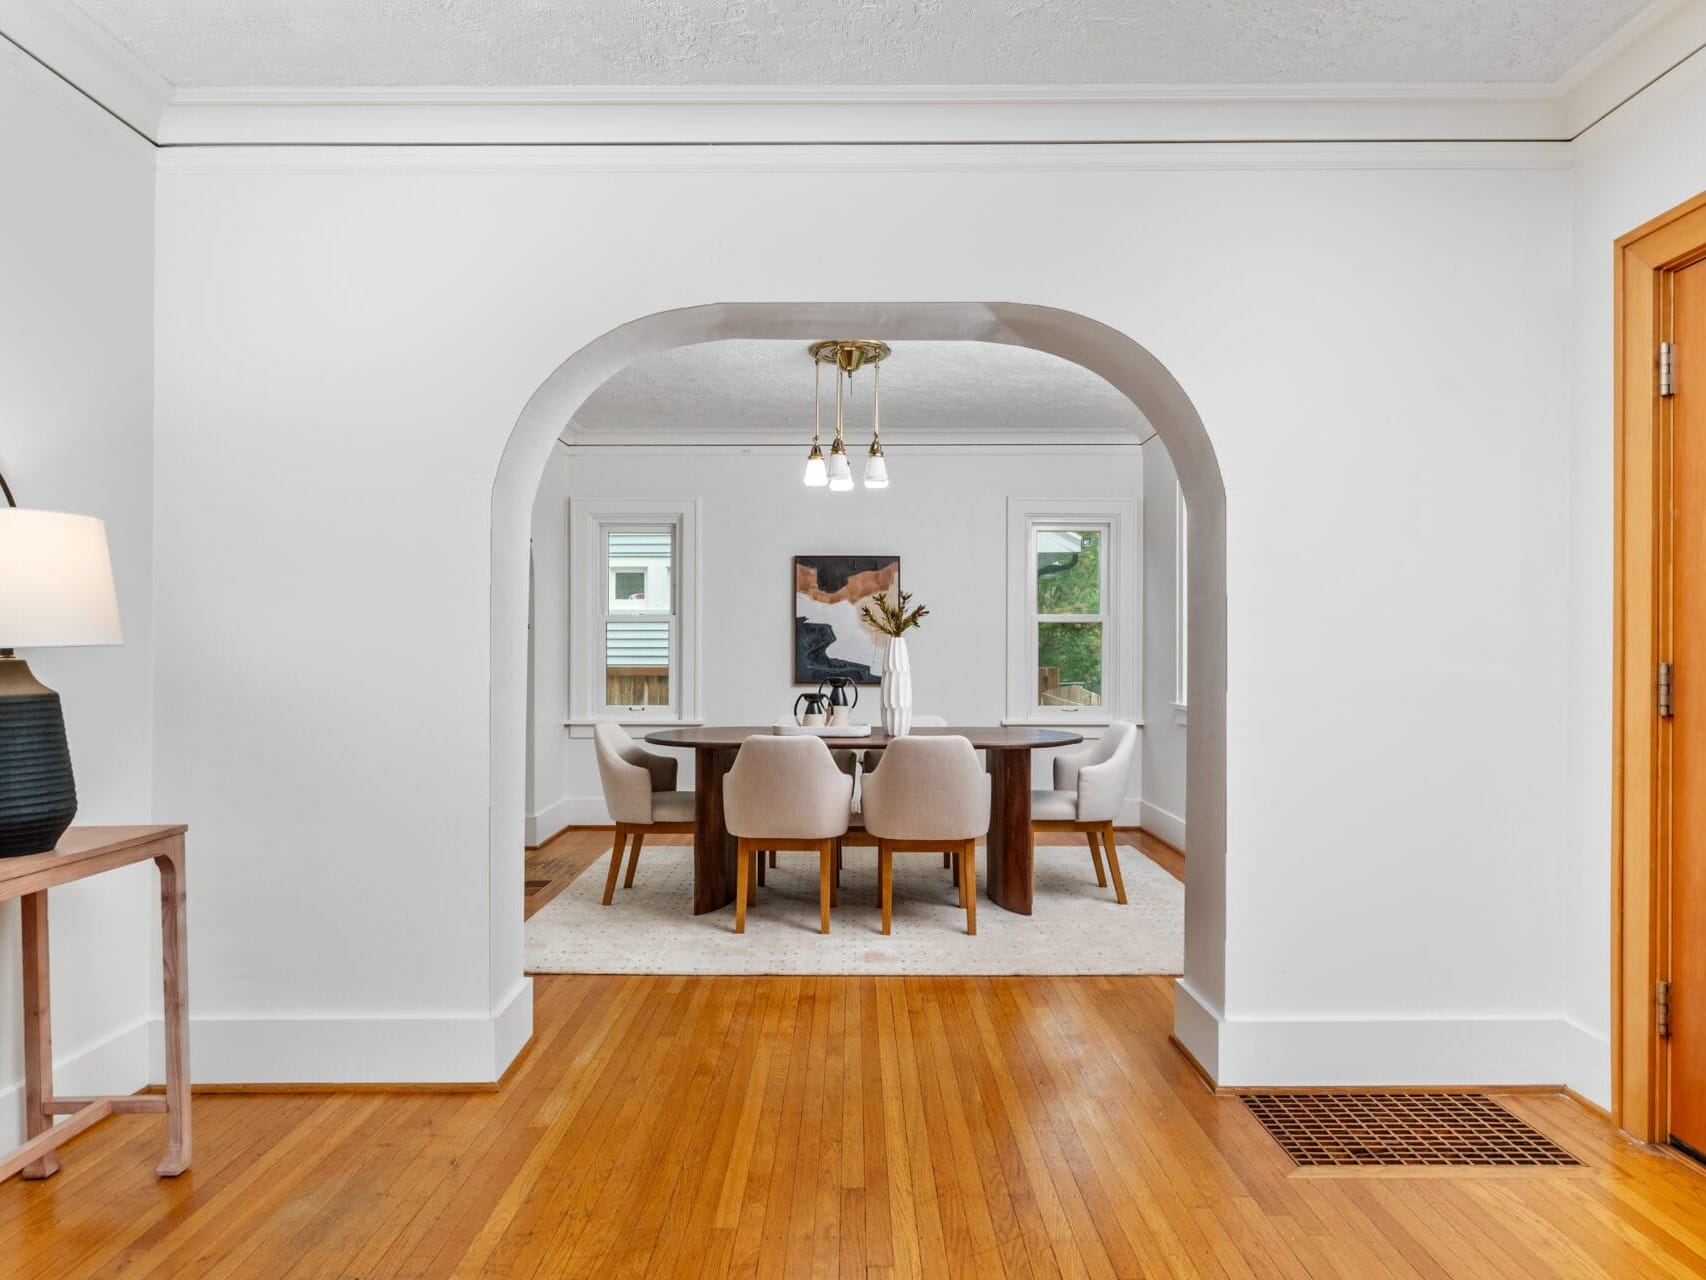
x=632 y=592
x=1072 y=635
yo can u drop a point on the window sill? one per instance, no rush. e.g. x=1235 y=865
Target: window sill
x=1092 y=725
x=582 y=728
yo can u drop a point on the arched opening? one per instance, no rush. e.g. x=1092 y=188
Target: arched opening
x=1118 y=359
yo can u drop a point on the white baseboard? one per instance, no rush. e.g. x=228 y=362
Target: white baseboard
x=115 y=1065
x=551 y=819
x=1587 y=1063
x=512 y=1024
x=1196 y=1026
x=1158 y=822
x=582 y=811
x=471 y=1049
x=1400 y=1052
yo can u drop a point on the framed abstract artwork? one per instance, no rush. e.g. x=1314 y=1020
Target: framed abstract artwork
x=829 y=637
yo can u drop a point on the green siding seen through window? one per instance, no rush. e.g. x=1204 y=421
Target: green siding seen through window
x=636 y=644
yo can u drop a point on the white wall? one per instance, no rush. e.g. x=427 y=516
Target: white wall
x=945 y=515
x=347 y=338
x=548 y=795
x=76 y=374
x=1643 y=160
x=1163 y=802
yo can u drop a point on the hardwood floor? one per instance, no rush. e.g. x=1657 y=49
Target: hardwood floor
x=848 y=1127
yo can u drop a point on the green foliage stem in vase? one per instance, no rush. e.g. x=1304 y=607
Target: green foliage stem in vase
x=892 y=618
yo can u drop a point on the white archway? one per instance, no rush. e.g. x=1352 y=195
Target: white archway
x=1102 y=350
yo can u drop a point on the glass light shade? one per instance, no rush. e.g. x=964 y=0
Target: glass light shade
x=56 y=581
x=876 y=472
x=840 y=472
x=817 y=474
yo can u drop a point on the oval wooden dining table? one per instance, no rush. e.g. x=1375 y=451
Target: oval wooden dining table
x=1008 y=751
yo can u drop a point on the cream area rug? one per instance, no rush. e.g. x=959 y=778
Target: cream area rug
x=1075 y=927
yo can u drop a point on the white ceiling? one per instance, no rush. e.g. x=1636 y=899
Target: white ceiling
x=498 y=43
x=761 y=393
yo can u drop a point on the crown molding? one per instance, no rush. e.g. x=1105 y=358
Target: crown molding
x=60 y=36
x=919 y=444
x=927 y=114
x=69 y=43
x=940 y=159
x=1657 y=41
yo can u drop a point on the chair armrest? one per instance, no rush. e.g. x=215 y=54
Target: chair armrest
x=1101 y=789
x=627 y=789
x=1068 y=763
x=663 y=770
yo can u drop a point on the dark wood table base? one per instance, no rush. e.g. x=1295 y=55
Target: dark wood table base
x=1010 y=858
x=1010 y=855
x=715 y=851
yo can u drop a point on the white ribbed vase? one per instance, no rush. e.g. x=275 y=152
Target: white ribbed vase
x=897 y=688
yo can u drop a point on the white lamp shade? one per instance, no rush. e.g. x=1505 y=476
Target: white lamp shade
x=816 y=473
x=840 y=473
x=876 y=473
x=56 y=581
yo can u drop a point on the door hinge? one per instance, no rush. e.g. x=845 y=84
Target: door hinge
x=1662 y=1008
x=1667 y=368
x=1667 y=687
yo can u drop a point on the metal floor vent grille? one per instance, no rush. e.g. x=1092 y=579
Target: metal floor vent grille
x=1402 y=1130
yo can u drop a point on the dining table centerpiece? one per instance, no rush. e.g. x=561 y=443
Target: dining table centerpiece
x=893 y=619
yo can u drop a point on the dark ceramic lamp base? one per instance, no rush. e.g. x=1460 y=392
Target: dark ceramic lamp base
x=38 y=798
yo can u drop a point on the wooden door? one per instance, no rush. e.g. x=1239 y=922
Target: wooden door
x=1687 y=887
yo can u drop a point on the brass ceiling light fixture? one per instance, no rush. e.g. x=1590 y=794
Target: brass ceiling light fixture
x=847 y=356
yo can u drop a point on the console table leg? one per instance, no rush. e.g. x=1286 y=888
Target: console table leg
x=174 y=952
x=38 y=1030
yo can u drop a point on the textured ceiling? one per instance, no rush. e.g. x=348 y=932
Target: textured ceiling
x=761 y=393
x=873 y=42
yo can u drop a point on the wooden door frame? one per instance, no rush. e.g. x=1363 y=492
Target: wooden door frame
x=1640 y=738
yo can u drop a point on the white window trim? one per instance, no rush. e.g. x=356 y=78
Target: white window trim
x=589 y=592
x=1122 y=662
x=1181 y=605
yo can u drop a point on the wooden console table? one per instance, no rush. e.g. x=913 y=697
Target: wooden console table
x=83 y=852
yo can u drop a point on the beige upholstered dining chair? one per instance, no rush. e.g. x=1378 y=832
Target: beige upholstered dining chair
x=785 y=793
x=865 y=763
x=639 y=790
x=874 y=756
x=929 y=794
x=1089 y=792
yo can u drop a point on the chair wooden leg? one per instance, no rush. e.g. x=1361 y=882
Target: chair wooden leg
x=885 y=878
x=825 y=883
x=633 y=859
x=1114 y=862
x=743 y=869
x=1096 y=857
x=615 y=862
x=761 y=860
x=959 y=880
x=968 y=885
x=947 y=861
x=773 y=857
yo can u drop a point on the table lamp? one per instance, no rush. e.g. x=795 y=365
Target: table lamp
x=56 y=588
